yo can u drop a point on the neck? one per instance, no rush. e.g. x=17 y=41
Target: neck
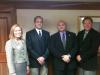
x=39 y=28
x=62 y=31
x=17 y=39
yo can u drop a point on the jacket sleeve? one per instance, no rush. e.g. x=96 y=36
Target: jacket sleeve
x=27 y=58
x=47 y=51
x=74 y=46
x=10 y=57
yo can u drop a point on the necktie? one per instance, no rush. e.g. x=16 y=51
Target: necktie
x=40 y=35
x=85 y=34
x=64 y=40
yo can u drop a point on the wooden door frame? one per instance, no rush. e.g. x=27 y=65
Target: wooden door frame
x=12 y=12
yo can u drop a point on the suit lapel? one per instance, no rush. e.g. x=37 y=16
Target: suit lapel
x=68 y=39
x=82 y=35
x=43 y=34
x=36 y=36
x=59 y=40
x=87 y=36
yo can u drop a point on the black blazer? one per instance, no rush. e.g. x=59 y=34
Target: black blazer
x=88 y=49
x=57 y=50
x=37 y=46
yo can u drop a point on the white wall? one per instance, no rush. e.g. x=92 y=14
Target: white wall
x=51 y=17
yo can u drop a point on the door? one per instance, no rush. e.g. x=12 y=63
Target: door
x=5 y=24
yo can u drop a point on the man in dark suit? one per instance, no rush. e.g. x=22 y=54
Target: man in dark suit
x=88 y=42
x=63 y=48
x=37 y=47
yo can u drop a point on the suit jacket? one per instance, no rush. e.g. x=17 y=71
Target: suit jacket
x=37 y=46
x=88 y=49
x=57 y=50
x=15 y=53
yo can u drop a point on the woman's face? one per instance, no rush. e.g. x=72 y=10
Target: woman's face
x=17 y=32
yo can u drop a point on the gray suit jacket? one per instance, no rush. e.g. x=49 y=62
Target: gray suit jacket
x=15 y=53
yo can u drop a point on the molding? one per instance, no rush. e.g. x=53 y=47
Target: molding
x=52 y=5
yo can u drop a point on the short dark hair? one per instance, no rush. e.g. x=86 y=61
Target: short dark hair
x=87 y=18
x=37 y=18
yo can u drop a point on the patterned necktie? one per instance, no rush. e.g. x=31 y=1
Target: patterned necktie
x=64 y=39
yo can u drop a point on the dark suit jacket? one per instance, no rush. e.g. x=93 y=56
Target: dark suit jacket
x=88 y=49
x=37 y=46
x=57 y=50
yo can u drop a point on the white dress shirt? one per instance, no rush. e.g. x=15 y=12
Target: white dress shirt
x=39 y=30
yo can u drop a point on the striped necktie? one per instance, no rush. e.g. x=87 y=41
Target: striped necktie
x=64 y=40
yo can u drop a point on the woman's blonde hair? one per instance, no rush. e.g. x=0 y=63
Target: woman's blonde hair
x=11 y=35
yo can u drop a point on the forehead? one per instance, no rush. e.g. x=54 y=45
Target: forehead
x=38 y=18
x=87 y=20
x=61 y=23
x=17 y=28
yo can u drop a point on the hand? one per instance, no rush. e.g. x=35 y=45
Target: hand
x=41 y=60
x=28 y=70
x=78 y=57
x=66 y=58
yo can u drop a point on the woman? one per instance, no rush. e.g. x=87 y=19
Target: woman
x=16 y=53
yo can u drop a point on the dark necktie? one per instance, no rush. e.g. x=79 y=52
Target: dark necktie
x=64 y=40
x=40 y=35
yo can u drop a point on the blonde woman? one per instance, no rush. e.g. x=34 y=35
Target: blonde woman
x=16 y=53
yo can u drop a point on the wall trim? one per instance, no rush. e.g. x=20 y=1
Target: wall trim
x=52 y=5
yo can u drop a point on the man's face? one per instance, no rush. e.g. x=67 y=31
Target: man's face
x=38 y=23
x=87 y=24
x=61 y=26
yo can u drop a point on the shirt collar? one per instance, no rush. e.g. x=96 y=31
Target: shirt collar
x=61 y=33
x=38 y=30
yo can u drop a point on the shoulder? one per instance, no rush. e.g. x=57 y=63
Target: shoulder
x=55 y=34
x=71 y=33
x=95 y=33
x=9 y=41
x=45 y=31
x=80 y=32
x=31 y=31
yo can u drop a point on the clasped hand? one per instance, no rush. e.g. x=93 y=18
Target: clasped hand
x=41 y=60
x=66 y=58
